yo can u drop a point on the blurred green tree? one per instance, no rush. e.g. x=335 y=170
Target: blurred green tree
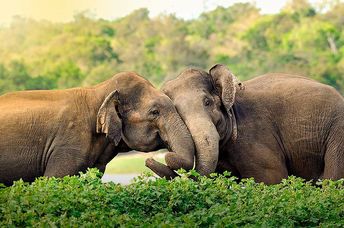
x=304 y=38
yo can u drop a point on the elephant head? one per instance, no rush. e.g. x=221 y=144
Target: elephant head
x=204 y=101
x=144 y=118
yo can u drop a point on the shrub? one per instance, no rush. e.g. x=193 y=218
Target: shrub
x=151 y=202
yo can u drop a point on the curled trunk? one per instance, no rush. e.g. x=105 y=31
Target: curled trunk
x=206 y=139
x=177 y=138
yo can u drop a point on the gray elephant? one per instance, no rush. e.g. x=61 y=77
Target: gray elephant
x=278 y=125
x=62 y=132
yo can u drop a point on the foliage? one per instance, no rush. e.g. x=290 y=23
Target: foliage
x=302 y=39
x=148 y=202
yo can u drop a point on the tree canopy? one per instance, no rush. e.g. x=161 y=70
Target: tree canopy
x=301 y=39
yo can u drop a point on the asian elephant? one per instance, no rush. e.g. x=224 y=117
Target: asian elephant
x=62 y=132
x=273 y=126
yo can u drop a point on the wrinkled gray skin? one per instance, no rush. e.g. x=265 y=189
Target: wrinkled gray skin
x=274 y=126
x=62 y=132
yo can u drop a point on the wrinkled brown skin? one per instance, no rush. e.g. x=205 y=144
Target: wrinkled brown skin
x=63 y=132
x=286 y=125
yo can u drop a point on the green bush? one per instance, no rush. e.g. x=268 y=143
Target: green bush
x=149 y=202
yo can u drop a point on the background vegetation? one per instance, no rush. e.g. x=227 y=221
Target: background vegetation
x=133 y=162
x=302 y=38
x=219 y=202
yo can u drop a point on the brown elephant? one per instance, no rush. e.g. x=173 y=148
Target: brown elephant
x=62 y=132
x=278 y=125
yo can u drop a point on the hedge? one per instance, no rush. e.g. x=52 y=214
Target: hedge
x=219 y=201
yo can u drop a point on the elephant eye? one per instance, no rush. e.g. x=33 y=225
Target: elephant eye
x=155 y=112
x=207 y=101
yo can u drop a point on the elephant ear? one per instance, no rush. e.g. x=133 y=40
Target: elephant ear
x=225 y=84
x=108 y=121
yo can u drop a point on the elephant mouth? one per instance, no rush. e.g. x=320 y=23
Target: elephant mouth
x=163 y=143
x=167 y=146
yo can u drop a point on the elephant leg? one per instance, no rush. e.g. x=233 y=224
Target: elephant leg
x=105 y=158
x=223 y=165
x=263 y=164
x=61 y=164
x=270 y=175
x=334 y=156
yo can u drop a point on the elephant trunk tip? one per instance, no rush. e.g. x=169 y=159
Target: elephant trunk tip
x=160 y=169
x=206 y=169
x=175 y=161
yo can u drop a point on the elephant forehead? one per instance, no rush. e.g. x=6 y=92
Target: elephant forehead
x=140 y=94
x=150 y=99
x=189 y=80
x=160 y=101
x=190 y=99
x=134 y=94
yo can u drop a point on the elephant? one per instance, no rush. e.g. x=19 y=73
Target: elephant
x=268 y=128
x=62 y=132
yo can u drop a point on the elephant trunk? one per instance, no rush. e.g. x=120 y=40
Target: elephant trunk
x=178 y=139
x=206 y=139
